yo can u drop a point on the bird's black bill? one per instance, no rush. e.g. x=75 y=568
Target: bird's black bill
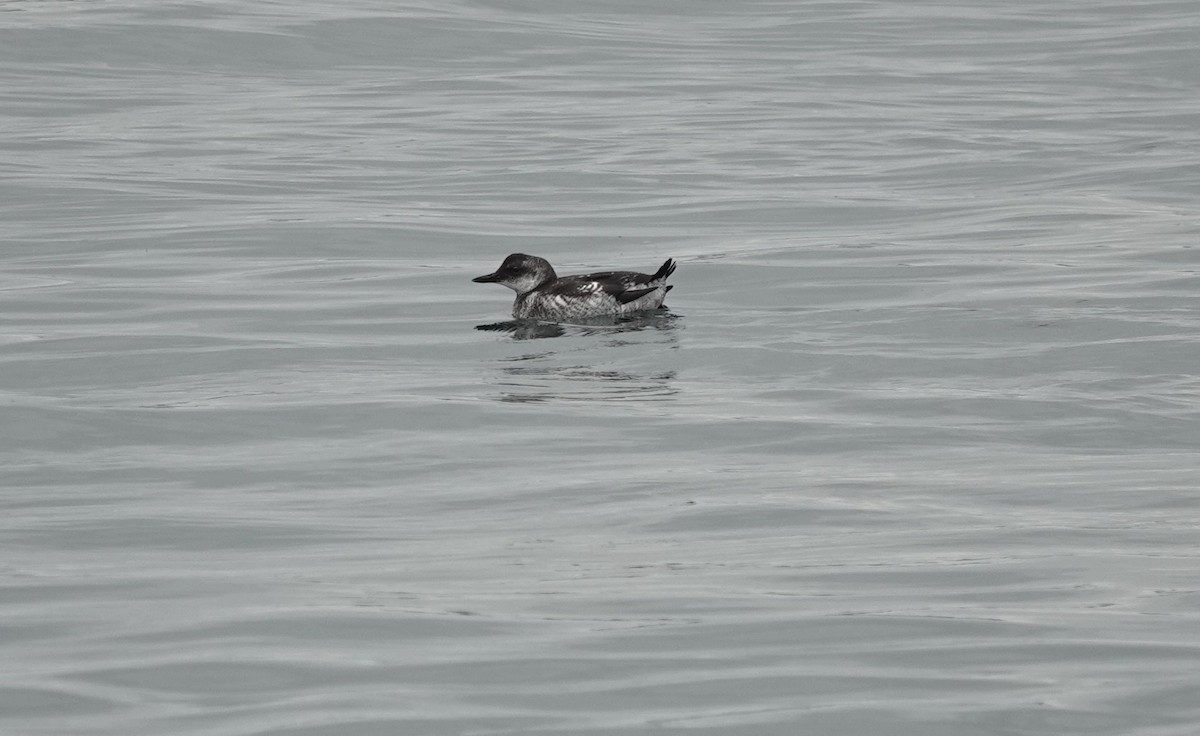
x=490 y=278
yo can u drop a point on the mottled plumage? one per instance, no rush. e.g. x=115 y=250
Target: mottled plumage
x=542 y=295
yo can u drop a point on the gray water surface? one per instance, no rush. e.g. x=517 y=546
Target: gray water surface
x=913 y=450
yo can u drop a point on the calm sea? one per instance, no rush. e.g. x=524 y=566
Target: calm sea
x=914 y=451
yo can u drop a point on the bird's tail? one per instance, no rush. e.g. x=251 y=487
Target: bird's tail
x=666 y=270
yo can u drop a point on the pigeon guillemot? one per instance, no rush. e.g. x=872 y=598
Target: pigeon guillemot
x=542 y=295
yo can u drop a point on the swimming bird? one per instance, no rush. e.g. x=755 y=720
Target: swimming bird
x=542 y=295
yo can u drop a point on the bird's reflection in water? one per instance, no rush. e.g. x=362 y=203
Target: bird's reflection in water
x=543 y=376
x=523 y=329
x=526 y=329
